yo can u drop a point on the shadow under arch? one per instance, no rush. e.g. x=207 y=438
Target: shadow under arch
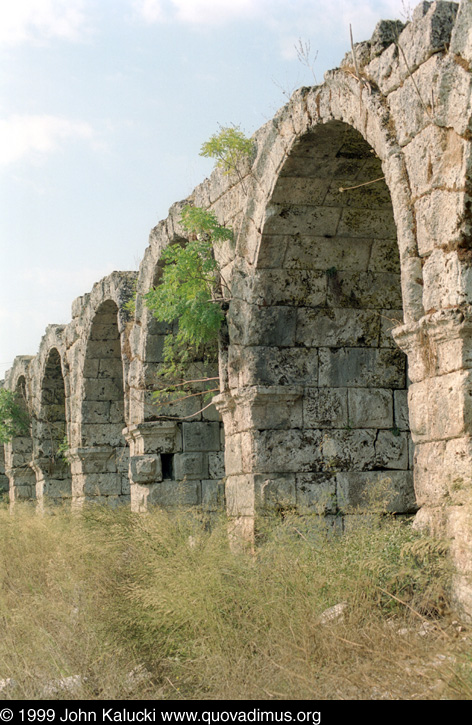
x=53 y=475
x=100 y=464
x=19 y=453
x=317 y=412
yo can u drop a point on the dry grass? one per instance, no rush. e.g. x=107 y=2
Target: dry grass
x=156 y=607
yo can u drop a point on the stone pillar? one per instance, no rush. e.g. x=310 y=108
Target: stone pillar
x=262 y=438
x=22 y=479
x=97 y=475
x=4 y=485
x=439 y=349
x=53 y=482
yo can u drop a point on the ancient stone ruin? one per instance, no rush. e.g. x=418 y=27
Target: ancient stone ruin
x=349 y=350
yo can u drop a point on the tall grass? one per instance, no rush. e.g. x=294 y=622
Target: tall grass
x=156 y=606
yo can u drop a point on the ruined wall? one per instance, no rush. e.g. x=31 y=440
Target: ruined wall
x=348 y=356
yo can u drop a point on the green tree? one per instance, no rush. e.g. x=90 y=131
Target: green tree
x=14 y=419
x=230 y=147
x=190 y=292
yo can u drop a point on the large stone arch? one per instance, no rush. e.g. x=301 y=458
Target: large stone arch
x=176 y=448
x=51 y=393
x=19 y=451
x=98 y=352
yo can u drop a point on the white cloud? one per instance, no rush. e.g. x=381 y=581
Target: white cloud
x=200 y=12
x=23 y=136
x=26 y=20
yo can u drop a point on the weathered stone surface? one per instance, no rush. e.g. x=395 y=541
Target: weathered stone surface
x=354 y=219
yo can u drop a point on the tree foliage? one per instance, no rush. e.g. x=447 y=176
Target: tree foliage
x=189 y=293
x=229 y=147
x=14 y=419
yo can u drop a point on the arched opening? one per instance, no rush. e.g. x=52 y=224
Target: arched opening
x=102 y=471
x=312 y=336
x=176 y=442
x=53 y=477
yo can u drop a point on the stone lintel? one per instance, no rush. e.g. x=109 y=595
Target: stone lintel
x=153 y=437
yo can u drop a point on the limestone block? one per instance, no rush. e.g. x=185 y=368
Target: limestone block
x=216 y=465
x=101 y=484
x=155 y=348
x=190 y=466
x=103 y=349
x=361 y=368
x=240 y=495
x=385 y=256
x=250 y=325
x=316 y=493
x=412 y=288
x=291 y=451
x=199 y=436
x=371 y=489
x=104 y=389
x=212 y=496
x=348 y=450
x=435 y=158
x=319 y=253
x=145 y=469
x=56 y=489
x=294 y=190
x=389 y=319
x=272 y=366
x=374 y=290
x=370 y=408
x=233 y=455
x=325 y=408
x=95 y=411
x=270 y=412
x=274 y=492
x=95 y=434
x=447 y=281
x=22 y=493
x=441 y=407
x=401 y=416
x=437 y=217
x=287 y=287
x=337 y=327
x=459 y=532
x=178 y=493
x=301 y=219
x=461 y=39
x=391 y=450
x=363 y=222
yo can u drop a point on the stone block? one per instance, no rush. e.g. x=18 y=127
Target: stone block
x=101 y=484
x=216 y=465
x=240 y=495
x=289 y=451
x=325 y=408
x=373 y=290
x=316 y=493
x=178 y=493
x=288 y=287
x=362 y=368
x=272 y=366
x=391 y=450
x=145 y=469
x=190 y=466
x=375 y=490
x=199 y=436
x=250 y=325
x=441 y=407
x=297 y=218
x=337 y=327
x=212 y=496
x=401 y=415
x=370 y=408
x=364 y=222
x=274 y=492
x=348 y=450
x=319 y=253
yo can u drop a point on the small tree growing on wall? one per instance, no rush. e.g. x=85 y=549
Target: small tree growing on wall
x=190 y=292
x=14 y=419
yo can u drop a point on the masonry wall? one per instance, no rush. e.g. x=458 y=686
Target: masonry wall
x=349 y=321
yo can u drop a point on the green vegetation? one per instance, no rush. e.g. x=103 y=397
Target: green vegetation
x=190 y=292
x=230 y=147
x=14 y=419
x=157 y=606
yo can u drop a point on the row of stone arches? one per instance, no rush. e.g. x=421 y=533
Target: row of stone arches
x=352 y=255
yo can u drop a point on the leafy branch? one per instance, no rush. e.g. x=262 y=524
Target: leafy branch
x=230 y=147
x=190 y=292
x=14 y=420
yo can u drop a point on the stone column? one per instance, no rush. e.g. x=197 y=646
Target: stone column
x=53 y=482
x=97 y=475
x=439 y=349
x=22 y=479
x=262 y=437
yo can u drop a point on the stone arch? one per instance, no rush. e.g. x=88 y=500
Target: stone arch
x=175 y=448
x=19 y=451
x=53 y=475
x=100 y=459
x=318 y=405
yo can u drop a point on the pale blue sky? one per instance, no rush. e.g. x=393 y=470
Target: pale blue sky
x=104 y=105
